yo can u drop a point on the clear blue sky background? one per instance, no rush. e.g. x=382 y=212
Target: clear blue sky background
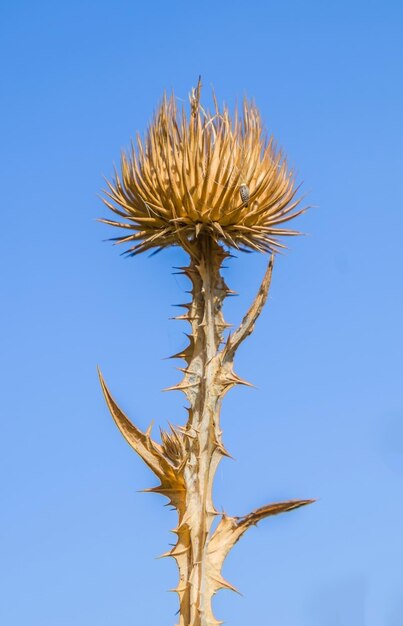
x=78 y=541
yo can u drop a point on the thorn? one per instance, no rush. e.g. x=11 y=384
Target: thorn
x=174 y=553
x=240 y=381
x=178 y=589
x=223 y=451
x=180 y=387
x=178 y=551
x=184 y=268
x=163 y=556
x=180 y=318
x=183 y=354
x=186 y=305
x=233 y=379
x=213 y=512
x=224 y=584
x=149 y=429
x=187 y=371
x=224 y=325
x=162 y=490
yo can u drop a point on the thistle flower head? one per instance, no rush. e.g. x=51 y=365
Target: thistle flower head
x=209 y=173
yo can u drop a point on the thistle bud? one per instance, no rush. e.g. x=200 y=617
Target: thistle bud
x=191 y=171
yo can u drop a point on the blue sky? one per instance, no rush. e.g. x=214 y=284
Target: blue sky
x=326 y=420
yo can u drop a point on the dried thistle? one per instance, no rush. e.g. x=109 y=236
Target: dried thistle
x=201 y=183
x=209 y=173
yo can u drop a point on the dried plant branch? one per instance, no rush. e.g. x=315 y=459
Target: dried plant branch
x=150 y=451
x=248 y=323
x=231 y=529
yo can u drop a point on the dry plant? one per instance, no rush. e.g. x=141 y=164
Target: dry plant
x=207 y=182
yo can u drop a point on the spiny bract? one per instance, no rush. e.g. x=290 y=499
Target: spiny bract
x=190 y=174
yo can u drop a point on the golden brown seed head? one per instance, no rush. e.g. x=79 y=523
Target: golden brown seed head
x=206 y=173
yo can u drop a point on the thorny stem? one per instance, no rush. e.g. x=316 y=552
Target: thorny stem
x=188 y=457
x=204 y=391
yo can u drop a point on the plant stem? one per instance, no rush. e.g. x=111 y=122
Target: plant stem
x=203 y=443
x=187 y=458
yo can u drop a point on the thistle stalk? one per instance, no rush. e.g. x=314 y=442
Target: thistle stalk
x=186 y=459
